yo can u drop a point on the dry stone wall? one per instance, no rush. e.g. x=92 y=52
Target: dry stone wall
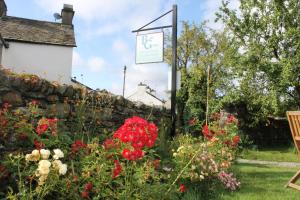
x=108 y=111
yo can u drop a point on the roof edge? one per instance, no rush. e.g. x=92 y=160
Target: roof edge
x=45 y=43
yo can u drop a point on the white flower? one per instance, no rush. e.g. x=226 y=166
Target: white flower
x=58 y=154
x=28 y=157
x=63 y=169
x=35 y=155
x=45 y=154
x=181 y=147
x=57 y=164
x=42 y=180
x=44 y=167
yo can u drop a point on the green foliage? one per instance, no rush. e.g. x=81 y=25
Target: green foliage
x=200 y=50
x=267 y=33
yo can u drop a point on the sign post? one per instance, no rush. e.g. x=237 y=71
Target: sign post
x=149 y=49
x=174 y=70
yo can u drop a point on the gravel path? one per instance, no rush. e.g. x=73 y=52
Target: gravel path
x=262 y=162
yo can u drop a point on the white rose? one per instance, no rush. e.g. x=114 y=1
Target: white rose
x=44 y=167
x=58 y=154
x=57 y=164
x=45 y=154
x=63 y=169
x=42 y=180
x=28 y=157
x=35 y=155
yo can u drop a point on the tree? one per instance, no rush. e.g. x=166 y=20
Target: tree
x=200 y=49
x=268 y=34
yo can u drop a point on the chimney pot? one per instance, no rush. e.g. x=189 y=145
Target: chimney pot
x=67 y=14
x=3 y=8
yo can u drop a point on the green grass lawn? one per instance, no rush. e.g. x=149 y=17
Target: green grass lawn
x=279 y=154
x=259 y=182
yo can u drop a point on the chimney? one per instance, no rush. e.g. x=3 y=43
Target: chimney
x=3 y=8
x=67 y=14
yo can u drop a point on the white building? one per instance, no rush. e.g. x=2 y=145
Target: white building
x=38 y=47
x=147 y=96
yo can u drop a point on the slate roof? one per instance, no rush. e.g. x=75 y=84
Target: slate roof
x=35 y=31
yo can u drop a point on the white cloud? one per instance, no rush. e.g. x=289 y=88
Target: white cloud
x=113 y=15
x=96 y=64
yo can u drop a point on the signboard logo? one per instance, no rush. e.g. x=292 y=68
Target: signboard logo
x=149 y=48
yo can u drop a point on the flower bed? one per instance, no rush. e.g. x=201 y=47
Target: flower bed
x=50 y=164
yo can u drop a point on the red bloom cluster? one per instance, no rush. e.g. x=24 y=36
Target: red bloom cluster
x=231 y=119
x=42 y=128
x=109 y=144
x=77 y=145
x=38 y=145
x=117 y=170
x=139 y=133
x=133 y=155
x=208 y=134
x=44 y=124
x=87 y=188
x=235 y=140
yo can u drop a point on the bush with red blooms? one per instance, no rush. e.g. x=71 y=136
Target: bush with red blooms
x=77 y=146
x=125 y=165
x=86 y=191
x=223 y=129
x=139 y=134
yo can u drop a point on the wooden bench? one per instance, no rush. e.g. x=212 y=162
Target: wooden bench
x=294 y=123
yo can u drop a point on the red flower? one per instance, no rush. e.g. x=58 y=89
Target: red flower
x=85 y=194
x=117 y=170
x=139 y=133
x=42 y=129
x=88 y=186
x=235 y=140
x=35 y=102
x=77 y=145
x=126 y=153
x=108 y=144
x=156 y=163
x=192 y=122
x=38 y=145
x=137 y=154
x=182 y=188
x=207 y=133
x=231 y=119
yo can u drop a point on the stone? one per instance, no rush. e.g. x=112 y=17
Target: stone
x=4 y=89
x=14 y=98
x=60 y=110
x=35 y=95
x=69 y=92
x=62 y=90
x=52 y=98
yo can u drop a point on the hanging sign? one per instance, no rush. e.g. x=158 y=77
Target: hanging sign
x=149 y=48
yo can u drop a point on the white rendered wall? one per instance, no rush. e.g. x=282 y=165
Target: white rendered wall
x=51 y=62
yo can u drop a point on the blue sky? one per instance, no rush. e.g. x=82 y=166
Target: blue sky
x=104 y=39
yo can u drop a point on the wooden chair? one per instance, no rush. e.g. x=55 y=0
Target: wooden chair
x=294 y=123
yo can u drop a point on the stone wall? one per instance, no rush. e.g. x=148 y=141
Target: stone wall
x=108 y=111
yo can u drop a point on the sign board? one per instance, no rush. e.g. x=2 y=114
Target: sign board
x=149 y=48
